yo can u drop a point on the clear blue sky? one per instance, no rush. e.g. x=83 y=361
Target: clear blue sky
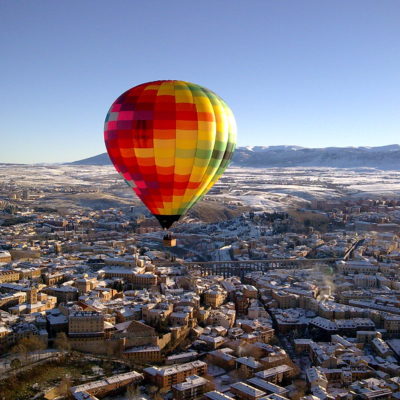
x=305 y=72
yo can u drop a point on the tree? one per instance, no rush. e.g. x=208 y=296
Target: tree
x=15 y=363
x=20 y=349
x=300 y=388
x=248 y=350
x=162 y=393
x=33 y=343
x=239 y=374
x=28 y=344
x=274 y=341
x=61 y=342
x=133 y=392
x=152 y=390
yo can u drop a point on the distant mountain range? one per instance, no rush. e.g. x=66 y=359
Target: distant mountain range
x=383 y=157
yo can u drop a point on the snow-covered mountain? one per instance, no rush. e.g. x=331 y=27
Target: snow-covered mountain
x=383 y=157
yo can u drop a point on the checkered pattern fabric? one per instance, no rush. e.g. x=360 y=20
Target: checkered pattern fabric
x=170 y=141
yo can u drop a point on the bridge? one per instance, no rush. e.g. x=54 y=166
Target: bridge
x=241 y=268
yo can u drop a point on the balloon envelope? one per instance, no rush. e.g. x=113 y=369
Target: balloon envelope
x=170 y=141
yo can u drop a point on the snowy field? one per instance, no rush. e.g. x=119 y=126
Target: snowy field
x=259 y=188
x=281 y=187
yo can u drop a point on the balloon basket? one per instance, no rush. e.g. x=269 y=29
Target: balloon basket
x=169 y=241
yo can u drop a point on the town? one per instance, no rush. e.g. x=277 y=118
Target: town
x=299 y=301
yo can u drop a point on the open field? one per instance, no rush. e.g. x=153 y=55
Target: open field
x=66 y=187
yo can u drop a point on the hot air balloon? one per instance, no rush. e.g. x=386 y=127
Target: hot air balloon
x=171 y=141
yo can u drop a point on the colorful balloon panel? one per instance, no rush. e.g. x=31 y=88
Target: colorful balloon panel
x=171 y=141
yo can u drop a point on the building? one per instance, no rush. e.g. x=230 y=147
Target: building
x=248 y=365
x=135 y=278
x=267 y=387
x=64 y=294
x=391 y=324
x=223 y=358
x=85 y=284
x=32 y=295
x=9 y=276
x=214 y=297
x=276 y=374
x=85 y=323
x=143 y=354
x=7 y=337
x=243 y=391
x=5 y=256
x=165 y=377
x=381 y=347
x=215 y=395
x=106 y=385
x=192 y=388
x=316 y=377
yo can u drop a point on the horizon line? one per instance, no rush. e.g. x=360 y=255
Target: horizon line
x=238 y=147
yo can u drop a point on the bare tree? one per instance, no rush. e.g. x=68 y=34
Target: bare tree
x=152 y=390
x=239 y=374
x=61 y=342
x=300 y=388
x=133 y=392
x=20 y=349
x=32 y=343
x=15 y=363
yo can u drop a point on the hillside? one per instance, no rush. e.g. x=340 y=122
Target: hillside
x=383 y=157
